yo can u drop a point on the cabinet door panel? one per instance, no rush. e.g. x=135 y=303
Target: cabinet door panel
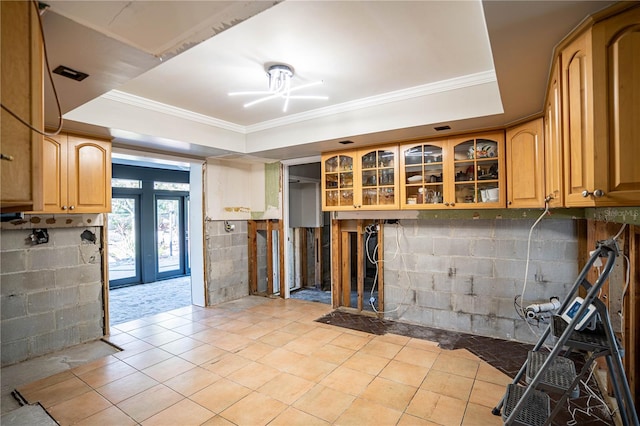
x=89 y=174
x=577 y=121
x=553 y=156
x=378 y=179
x=54 y=167
x=623 y=58
x=525 y=157
x=337 y=182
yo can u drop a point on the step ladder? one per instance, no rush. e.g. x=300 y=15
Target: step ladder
x=528 y=403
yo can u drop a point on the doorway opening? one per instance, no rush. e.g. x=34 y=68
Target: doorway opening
x=148 y=233
x=308 y=236
x=357 y=267
x=266 y=262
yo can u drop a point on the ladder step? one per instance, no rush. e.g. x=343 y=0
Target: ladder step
x=536 y=409
x=588 y=340
x=557 y=377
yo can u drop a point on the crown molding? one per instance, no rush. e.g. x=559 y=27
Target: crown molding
x=148 y=104
x=399 y=95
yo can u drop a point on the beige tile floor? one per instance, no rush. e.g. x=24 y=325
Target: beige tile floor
x=260 y=361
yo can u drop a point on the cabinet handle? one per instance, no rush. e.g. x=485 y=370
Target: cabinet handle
x=72 y=207
x=597 y=193
x=64 y=207
x=446 y=204
x=6 y=157
x=453 y=204
x=509 y=203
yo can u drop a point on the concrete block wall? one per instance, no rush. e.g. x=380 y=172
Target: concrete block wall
x=50 y=294
x=226 y=261
x=463 y=274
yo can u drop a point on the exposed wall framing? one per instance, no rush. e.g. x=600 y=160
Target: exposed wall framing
x=345 y=254
x=268 y=226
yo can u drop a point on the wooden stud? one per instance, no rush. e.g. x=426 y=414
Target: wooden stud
x=303 y=257
x=380 y=266
x=336 y=259
x=317 y=244
x=345 y=268
x=105 y=275
x=359 y=254
x=281 y=282
x=269 y=259
x=252 y=233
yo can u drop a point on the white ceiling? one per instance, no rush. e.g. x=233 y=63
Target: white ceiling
x=160 y=72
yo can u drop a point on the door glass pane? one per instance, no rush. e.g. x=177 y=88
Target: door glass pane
x=168 y=234
x=122 y=239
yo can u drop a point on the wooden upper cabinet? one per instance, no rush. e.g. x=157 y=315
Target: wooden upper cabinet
x=577 y=120
x=601 y=88
x=553 y=149
x=363 y=179
x=525 y=171
x=22 y=93
x=618 y=87
x=77 y=174
x=422 y=170
x=475 y=176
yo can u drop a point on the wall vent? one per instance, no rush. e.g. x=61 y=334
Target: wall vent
x=70 y=73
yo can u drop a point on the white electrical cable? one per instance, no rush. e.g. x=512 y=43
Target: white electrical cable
x=375 y=280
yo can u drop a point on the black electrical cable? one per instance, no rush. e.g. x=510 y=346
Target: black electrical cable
x=53 y=86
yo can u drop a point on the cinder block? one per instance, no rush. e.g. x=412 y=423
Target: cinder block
x=493 y=287
x=451 y=246
x=90 y=253
x=462 y=303
x=13 y=306
x=413 y=314
x=52 y=258
x=13 y=261
x=483 y=248
x=42 y=301
x=493 y=327
x=450 y=320
x=481 y=228
x=90 y=292
x=15 y=240
x=471 y=266
x=73 y=276
x=434 y=300
x=13 y=352
x=25 y=282
x=25 y=327
x=67 y=296
x=54 y=341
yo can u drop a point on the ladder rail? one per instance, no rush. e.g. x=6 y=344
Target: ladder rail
x=565 y=303
x=591 y=294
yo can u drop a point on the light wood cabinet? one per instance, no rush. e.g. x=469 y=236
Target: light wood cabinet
x=553 y=149
x=77 y=174
x=22 y=93
x=526 y=172
x=600 y=92
x=463 y=172
x=361 y=179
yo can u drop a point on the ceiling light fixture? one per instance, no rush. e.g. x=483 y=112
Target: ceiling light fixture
x=280 y=87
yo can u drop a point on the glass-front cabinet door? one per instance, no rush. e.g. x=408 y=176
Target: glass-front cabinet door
x=364 y=179
x=477 y=173
x=422 y=169
x=337 y=184
x=378 y=173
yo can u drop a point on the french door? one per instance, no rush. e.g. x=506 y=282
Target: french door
x=148 y=229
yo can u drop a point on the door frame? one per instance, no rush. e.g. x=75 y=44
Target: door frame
x=286 y=251
x=134 y=194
